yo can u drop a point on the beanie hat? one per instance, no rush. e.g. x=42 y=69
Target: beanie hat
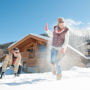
x=60 y=20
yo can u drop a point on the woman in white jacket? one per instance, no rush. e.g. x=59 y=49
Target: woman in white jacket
x=60 y=39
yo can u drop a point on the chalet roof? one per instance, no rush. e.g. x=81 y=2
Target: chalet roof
x=35 y=35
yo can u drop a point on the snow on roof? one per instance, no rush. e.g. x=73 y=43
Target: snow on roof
x=39 y=36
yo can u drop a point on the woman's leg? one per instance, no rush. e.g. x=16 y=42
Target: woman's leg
x=58 y=71
x=58 y=67
x=53 y=60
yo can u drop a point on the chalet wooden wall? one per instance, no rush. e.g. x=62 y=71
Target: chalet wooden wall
x=38 y=61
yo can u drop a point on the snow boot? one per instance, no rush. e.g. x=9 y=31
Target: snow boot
x=53 y=69
x=59 y=76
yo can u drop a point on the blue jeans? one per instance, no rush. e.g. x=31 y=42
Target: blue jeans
x=55 y=59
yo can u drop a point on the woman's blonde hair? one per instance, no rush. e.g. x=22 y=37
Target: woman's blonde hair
x=60 y=20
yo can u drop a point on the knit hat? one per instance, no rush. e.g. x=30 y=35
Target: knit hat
x=60 y=20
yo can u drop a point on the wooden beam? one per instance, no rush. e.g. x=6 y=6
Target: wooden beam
x=19 y=43
x=38 y=38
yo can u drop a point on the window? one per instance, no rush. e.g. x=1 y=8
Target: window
x=31 y=53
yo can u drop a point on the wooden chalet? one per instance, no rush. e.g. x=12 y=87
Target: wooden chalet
x=33 y=49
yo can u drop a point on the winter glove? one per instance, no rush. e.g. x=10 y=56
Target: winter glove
x=2 y=74
x=62 y=51
x=46 y=27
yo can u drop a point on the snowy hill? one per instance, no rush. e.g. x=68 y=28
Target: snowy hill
x=74 y=79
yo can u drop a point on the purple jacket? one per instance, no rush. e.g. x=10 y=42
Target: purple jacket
x=58 y=37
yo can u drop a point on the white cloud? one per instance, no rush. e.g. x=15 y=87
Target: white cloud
x=70 y=22
x=88 y=23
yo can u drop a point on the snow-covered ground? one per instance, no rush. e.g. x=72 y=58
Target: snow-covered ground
x=74 y=79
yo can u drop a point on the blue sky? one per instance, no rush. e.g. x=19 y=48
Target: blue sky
x=21 y=17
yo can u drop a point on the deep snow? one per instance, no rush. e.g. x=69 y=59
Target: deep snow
x=74 y=79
